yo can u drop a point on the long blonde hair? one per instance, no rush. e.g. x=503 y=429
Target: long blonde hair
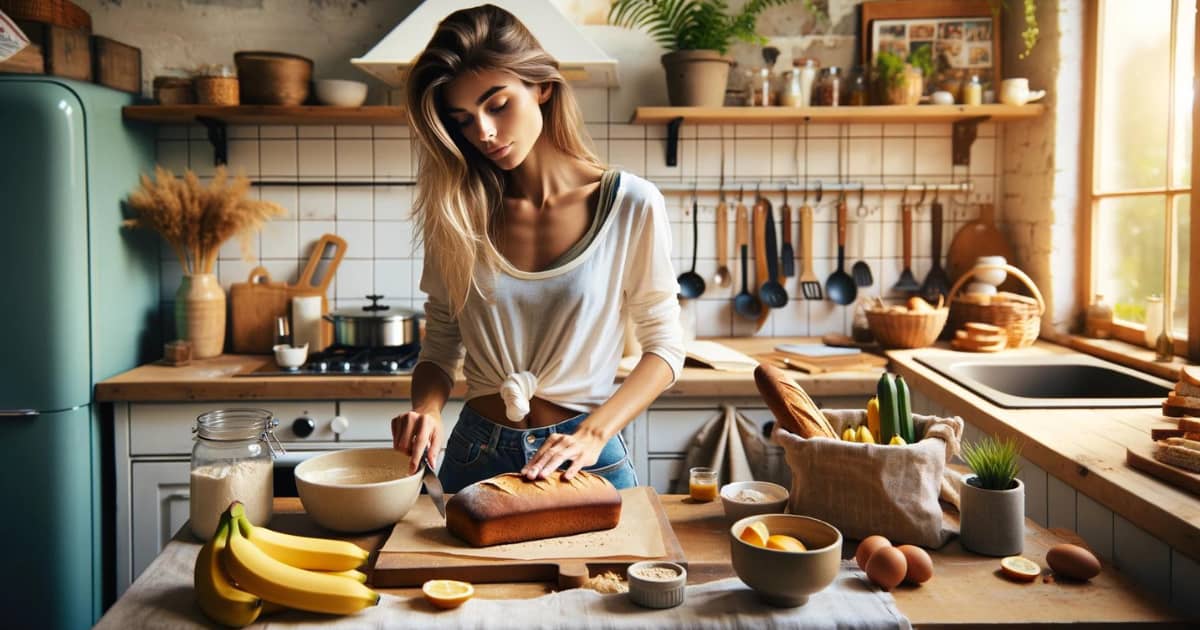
x=458 y=188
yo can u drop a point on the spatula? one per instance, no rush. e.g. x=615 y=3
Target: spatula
x=787 y=253
x=937 y=283
x=907 y=282
x=810 y=286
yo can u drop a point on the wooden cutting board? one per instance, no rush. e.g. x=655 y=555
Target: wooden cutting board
x=307 y=286
x=1140 y=457
x=396 y=569
x=977 y=238
x=816 y=365
x=253 y=307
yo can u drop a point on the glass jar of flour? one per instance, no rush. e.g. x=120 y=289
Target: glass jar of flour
x=232 y=461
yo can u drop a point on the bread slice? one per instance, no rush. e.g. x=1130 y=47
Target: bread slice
x=1178 y=452
x=1187 y=389
x=1189 y=425
x=508 y=508
x=1190 y=374
x=980 y=327
x=790 y=404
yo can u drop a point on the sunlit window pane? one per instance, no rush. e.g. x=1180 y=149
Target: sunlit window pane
x=1183 y=241
x=1185 y=41
x=1132 y=92
x=1128 y=252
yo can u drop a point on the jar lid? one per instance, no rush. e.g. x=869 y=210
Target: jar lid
x=231 y=425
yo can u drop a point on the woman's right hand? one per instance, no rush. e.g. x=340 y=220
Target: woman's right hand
x=415 y=433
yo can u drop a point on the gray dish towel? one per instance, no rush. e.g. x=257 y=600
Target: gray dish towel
x=730 y=444
x=163 y=598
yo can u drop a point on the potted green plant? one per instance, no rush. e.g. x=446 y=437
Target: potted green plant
x=902 y=77
x=992 y=500
x=697 y=34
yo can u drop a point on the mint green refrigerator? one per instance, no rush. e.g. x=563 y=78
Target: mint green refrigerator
x=80 y=304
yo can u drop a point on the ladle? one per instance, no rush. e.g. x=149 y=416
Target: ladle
x=745 y=303
x=691 y=285
x=840 y=286
x=771 y=292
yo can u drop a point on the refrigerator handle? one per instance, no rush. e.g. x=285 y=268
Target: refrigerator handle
x=19 y=413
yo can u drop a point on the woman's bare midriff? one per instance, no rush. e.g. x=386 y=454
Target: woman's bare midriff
x=542 y=413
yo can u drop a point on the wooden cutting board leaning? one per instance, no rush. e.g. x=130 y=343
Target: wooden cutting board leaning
x=306 y=286
x=253 y=307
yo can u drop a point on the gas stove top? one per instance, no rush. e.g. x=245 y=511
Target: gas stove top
x=350 y=361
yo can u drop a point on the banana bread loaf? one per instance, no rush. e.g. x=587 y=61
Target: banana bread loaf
x=509 y=508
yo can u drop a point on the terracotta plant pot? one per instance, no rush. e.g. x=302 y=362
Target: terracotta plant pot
x=200 y=314
x=696 y=78
x=908 y=89
x=992 y=521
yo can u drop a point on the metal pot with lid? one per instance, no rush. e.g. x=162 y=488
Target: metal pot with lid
x=375 y=325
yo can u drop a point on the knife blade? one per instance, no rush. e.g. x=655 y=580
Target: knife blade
x=433 y=485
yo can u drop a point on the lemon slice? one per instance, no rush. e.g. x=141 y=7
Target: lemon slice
x=783 y=542
x=1020 y=568
x=447 y=593
x=755 y=534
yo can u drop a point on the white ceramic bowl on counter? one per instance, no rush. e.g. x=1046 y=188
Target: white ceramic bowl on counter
x=357 y=489
x=290 y=356
x=341 y=92
x=740 y=499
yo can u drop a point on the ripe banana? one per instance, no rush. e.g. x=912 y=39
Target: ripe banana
x=304 y=552
x=284 y=584
x=357 y=576
x=223 y=602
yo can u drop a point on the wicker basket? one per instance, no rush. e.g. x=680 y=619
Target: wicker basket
x=1018 y=315
x=906 y=329
x=57 y=12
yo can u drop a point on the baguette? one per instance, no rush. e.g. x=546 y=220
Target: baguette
x=790 y=404
x=508 y=508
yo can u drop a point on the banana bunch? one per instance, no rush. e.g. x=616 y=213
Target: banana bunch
x=246 y=571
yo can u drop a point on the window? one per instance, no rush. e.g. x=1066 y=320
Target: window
x=1141 y=161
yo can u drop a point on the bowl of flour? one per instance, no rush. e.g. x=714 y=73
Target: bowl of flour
x=357 y=490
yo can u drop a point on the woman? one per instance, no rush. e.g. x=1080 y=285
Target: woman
x=535 y=256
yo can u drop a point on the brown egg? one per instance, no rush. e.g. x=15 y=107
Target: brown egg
x=868 y=546
x=1073 y=561
x=920 y=565
x=886 y=567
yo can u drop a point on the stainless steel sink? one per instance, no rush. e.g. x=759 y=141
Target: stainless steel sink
x=1059 y=381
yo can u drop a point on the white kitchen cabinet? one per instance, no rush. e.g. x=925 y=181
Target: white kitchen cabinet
x=159 y=507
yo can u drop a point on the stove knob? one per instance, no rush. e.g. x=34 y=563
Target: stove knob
x=320 y=366
x=303 y=426
x=391 y=366
x=339 y=424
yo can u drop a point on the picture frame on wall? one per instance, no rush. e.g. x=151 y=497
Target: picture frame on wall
x=964 y=36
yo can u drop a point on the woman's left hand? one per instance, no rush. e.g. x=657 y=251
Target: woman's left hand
x=582 y=448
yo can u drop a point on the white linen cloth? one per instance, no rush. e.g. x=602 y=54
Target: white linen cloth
x=162 y=597
x=558 y=334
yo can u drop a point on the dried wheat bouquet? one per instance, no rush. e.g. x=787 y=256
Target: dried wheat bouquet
x=196 y=219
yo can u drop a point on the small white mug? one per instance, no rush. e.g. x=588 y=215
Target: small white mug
x=1017 y=92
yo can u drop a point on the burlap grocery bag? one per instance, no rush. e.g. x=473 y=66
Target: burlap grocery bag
x=865 y=489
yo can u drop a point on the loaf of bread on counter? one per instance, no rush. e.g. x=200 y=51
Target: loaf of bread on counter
x=509 y=508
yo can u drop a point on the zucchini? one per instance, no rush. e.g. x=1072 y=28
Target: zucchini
x=889 y=418
x=904 y=410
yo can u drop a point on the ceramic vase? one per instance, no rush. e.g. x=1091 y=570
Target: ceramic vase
x=200 y=314
x=992 y=521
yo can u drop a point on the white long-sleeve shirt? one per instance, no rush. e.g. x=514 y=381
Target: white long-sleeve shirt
x=558 y=334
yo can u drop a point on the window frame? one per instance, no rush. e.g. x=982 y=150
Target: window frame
x=1092 y=196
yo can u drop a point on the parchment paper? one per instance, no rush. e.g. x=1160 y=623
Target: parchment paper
x=637 y=534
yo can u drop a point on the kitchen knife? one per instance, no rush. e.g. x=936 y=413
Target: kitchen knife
x=433 y=485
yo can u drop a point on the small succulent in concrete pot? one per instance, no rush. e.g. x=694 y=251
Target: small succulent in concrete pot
x=993 y=499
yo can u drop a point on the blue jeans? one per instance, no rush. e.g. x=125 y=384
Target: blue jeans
x=479 y=448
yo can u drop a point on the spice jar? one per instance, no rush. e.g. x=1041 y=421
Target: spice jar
x=761 y=89
x=216 y=84
x=857 y=91
x=1098 y=322
x=828 y=92
x=232 y=461
x=972 y=92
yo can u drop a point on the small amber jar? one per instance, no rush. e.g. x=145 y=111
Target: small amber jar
x=702 y=484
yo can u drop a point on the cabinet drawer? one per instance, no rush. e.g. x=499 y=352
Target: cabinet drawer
x=166 y=428
x=371 y=420
x=672 y=430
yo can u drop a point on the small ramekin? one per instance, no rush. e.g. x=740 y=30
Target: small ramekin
x=652 y=593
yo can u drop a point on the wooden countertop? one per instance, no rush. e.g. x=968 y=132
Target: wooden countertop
x=229 y=377
x=1085 y=448
x=966 y=591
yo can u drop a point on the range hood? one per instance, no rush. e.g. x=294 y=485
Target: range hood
x=581 y=60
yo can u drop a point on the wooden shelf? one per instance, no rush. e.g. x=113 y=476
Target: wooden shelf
x=867 y=114
x=966 y=119
x=266 y=114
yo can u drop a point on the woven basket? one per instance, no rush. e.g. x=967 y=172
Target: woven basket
x=1019 y=316
x=57 y=12
x=907 y=329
